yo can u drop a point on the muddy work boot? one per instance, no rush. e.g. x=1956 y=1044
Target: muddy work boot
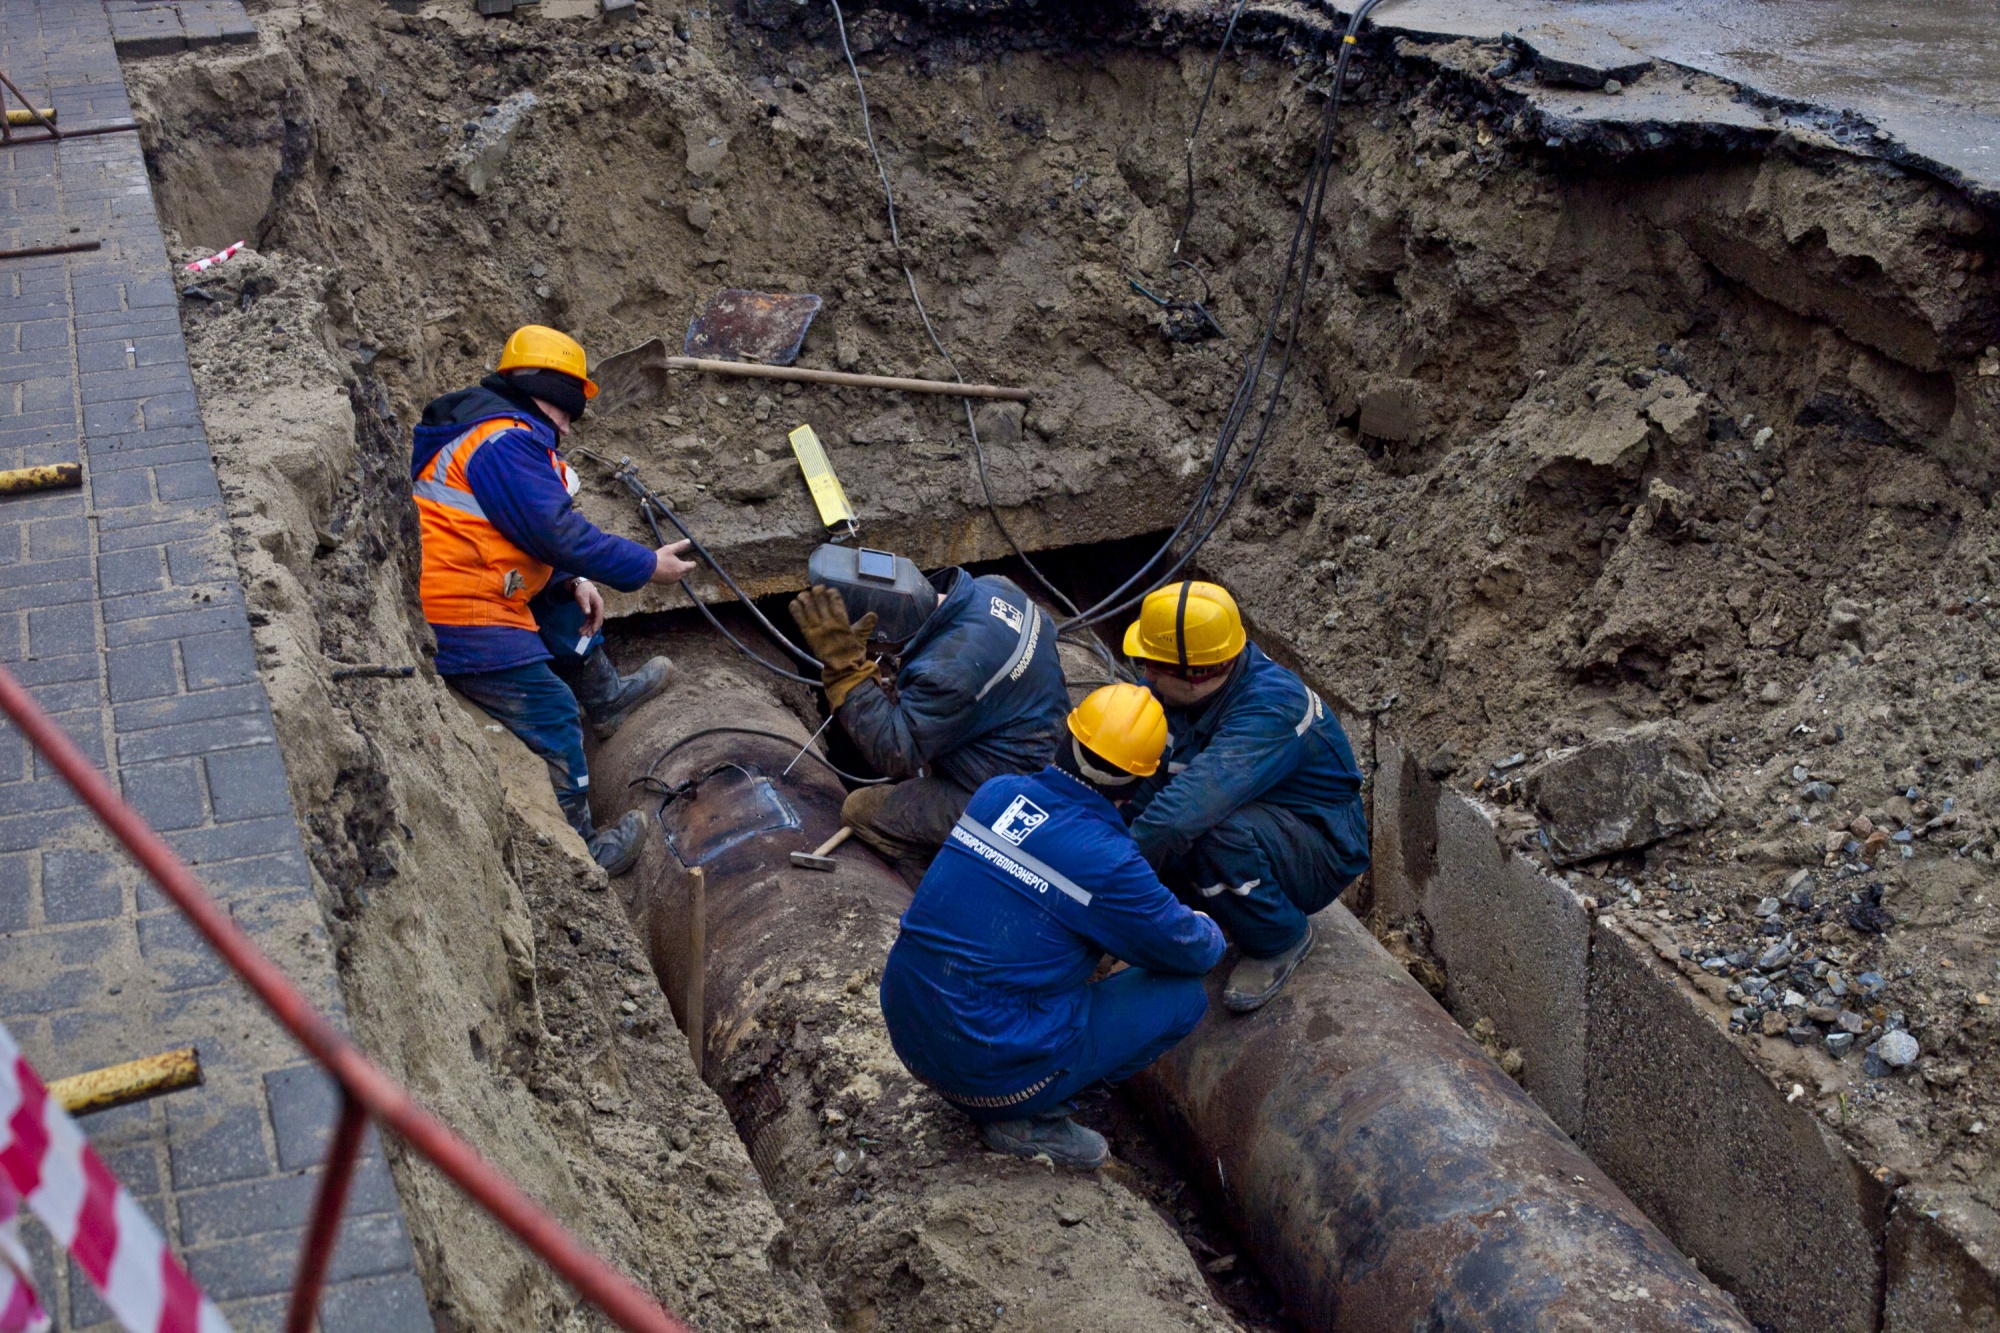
x=617 y=848
x=1065 y=1142
x=1253 y=981
x=609 y=698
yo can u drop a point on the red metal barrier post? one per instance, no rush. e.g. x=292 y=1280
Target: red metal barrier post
x=377 y=1094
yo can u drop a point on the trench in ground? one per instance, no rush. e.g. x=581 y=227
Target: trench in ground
x=1520 y=496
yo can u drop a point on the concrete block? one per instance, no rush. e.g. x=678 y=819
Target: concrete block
x=1402 y=831
x=1515 y=944
x=1941 y=1267
x=1691 y=1129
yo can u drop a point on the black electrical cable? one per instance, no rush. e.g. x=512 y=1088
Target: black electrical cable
x=1208 y=91
x=646 y=508
x=971 y=424
x=844 y=776
x=628 y=476
x=1305 y=239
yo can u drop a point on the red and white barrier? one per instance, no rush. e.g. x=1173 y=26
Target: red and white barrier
x=219 y=257
x=20 y=1310
x=44 y=1158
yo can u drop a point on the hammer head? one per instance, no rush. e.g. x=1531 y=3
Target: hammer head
x=810 y=861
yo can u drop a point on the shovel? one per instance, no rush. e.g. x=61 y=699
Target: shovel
x=755 y=335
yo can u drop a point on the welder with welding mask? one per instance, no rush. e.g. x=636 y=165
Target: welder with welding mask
x=988 y=994
x=974 y=691
x=1257 y=816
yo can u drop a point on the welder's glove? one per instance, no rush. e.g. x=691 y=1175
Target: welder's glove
x=842 y=649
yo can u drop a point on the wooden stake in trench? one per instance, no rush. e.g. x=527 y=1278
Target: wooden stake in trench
x=696 y=971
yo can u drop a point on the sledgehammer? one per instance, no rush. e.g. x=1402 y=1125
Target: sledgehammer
x=822 y=859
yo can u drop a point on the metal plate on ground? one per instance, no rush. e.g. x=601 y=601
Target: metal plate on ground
x=739 y=325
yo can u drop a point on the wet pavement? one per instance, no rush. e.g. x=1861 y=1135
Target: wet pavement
x=1927 y=77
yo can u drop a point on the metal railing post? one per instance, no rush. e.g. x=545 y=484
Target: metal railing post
x=335 y=1178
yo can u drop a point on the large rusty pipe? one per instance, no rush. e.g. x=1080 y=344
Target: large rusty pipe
x=1388 y=1175
x=891 y=1202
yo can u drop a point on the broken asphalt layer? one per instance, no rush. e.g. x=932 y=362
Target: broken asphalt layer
x=1915 y=85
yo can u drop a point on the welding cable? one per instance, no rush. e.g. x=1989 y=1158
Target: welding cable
x=1304 y=244
x=896 y=238
x=646 y=508
x=627 y=475
x=790 y=741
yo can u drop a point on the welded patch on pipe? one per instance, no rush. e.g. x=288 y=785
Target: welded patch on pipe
x=736 y=806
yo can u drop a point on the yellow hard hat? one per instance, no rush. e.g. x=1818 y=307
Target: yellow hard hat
x=1125 y=724
x=1187 y=625
x=536 y=346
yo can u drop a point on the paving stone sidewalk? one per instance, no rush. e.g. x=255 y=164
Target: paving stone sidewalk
x=120 y=609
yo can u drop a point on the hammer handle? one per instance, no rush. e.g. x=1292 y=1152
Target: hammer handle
x=827 y=847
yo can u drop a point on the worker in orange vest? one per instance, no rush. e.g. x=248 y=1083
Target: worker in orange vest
x=510 y=567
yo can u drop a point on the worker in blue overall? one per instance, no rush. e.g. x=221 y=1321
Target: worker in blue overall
x=987 y=992
x=970 y=688
x=508 y=565
x=1258 y=817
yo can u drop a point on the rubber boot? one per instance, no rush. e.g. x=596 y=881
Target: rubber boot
x=1253 y=981
x=1065 y=1142
x=617 y=848
x=609 y=698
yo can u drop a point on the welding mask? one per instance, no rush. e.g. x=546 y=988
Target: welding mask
x=889 y=585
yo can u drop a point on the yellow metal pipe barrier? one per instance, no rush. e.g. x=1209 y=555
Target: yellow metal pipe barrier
x=55 y=477
x=133 y=1081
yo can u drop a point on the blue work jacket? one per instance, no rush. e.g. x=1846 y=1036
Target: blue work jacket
x=979 y=692
x=526 y=501
x=1263 y=737
x=988 y=983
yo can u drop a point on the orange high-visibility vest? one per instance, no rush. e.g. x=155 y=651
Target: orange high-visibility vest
x=471 y=574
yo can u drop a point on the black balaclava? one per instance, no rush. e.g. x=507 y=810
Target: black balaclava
x=551 y=386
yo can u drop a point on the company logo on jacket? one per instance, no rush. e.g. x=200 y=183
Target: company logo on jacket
x=1019 y=819
x=1006 y=612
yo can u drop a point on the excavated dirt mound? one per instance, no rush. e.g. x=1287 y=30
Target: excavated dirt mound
x=1575 y=443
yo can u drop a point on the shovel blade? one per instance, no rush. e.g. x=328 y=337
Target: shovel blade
x=738 y=325
x=635 y=375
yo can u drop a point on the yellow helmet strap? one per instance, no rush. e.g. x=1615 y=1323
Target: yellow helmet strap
x=1097 y=776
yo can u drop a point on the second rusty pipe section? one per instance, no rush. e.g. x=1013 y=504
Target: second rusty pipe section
x=1383 y=1171
x=1388 y=1175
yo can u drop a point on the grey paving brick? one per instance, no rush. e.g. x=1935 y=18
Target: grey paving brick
x=76 y=592
x=167 y=601
x=55 y=670
x=379 y=1305
x=116 y=490
x=50 y=538
x=228 y=701
x=190 y=738
x=155 y=526
x=244 y=877
x=13 y=755
x=204 y=620
x=123 y=572
x=218 y=659
x=252 y=1207
x=247 y=784
x=57 y=631
x=230 y=842
x=41 y=573
x=86 y=731
x=10 y=539
x=16 y=891
x=210 y=1142
x=22 y=798
x=262 y=1265
x=80 y=886
x=203 y=562
x=178 y=956
x=168 y=795
x=142 y=671
x=303 y=1101
x=187 y=481
x=20 y=832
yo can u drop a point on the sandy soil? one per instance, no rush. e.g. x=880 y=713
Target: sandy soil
x=1576 y=444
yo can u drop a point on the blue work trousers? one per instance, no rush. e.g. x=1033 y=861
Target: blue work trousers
x=539 y=701
x=1260 y=873
x=1136 y=1016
